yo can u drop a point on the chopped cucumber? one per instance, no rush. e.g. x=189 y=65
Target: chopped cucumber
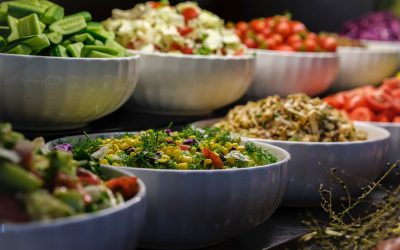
x=88 y=48
x=19 y=49
x=98 y=42
x=29 y=26
x=38 y=42
x=98 y=32
x=15 y=177
x=24 y=8
x=59 y=51
x=112 y=44
x=13 y=24
x=74 y=49
x=85 y=38
x=98 y=54
x=55 y=37
x=3 y=12
x=46 y=4
x=3 y=43
x=69 y=25
x=53 y=14
x=4 y=31
x=85 y=14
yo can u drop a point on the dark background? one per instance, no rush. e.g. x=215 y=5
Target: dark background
x=318 y=15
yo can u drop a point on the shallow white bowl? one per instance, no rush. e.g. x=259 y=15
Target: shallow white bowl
x=394 y=129
x=364 y=66
x=190 y=84
x=356 y=163
x=52 y=93
x=283 y=73
x=115 y=228
x=199 y=208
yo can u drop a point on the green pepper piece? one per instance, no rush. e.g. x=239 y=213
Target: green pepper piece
x=20 y=9
x=20 y=50
x=29 y=26
x=59 y=51
x=14 y=176
x=55 y=37
x=13 y=24
x=53 y=14
x=74 y=49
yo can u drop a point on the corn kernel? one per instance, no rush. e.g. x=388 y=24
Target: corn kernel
x=103 y=161
x=111 y=151
x=225 y=151
x=124 y=146
x=165 y=157
x=162 y=160
x=207 y=161
x=115 y=164
x=182 y=165
x=235 y=145
x=115 y=147
x=130 y=142
x=132 y=154
x=228 y=145
x=241 y=148
x=187 y=159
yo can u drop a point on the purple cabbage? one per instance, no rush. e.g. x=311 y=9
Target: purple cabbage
x=66 y=147
x=381 y=25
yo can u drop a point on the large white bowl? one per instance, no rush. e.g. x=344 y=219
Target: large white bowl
x=364 y=66
x=52 y=93
x=115 y=228
x=199 y=208
x=357 y=163
x=284 y=73
x=394 y=129
x=190 y=84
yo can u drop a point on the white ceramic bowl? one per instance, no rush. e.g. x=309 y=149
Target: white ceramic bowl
x=364 y=66
x=394 y=129
x=52 y=93
x=357 y=163
x=199 y=208
x=190 y=84
x=283 y=73
x=115 y=228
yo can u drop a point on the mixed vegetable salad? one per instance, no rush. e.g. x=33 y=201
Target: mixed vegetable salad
x=294 y=118
x=40 y=185
x=281 y=33
x=189 y=149
x=369 y=103
x=39 y=27
x=184 y=28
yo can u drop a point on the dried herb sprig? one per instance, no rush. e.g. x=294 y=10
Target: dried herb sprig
x=347 y=231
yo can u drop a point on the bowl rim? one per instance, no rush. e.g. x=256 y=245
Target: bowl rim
x=369 y=50
x=296 y=54
x=86 y=59
x=381 y=124
x=284 y=152
x=384 y=135
x=249 y=56
x=139 y=197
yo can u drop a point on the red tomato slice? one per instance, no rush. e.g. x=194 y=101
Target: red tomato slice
x=189 y=13
x=379 y=101
x=239 y=52
x=126 y=185
x=354 y=102
x=184 y=30
x=87 y=178
x=187 y=50
x=216 y=161
x=337 y=101
x=362 y=114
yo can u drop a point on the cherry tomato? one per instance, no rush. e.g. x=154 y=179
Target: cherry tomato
x=187 y=50
x=269 y=22
x=184 y=30
x=395 y=93
x=311 y=35
x=354 y=102
x=396 y=119
x=298 y=46
x=176 y=46
x=362 y=114
x=242 y=26
x=267 y=32
x=328 y=43
x=297 y=27
x=250 y=43
x=390 y=114
x=239 y=52
x=294 y=38
x=190 y=13
x=278 y=38
x=257 y=25
x=271 y=43
x=216 y=161
x=155 y=5
x=87 y=178
x=260 y=37
x=283 y=28
x=337 y=101
x=310 y=45
x=396 y=104
x=284 y=47
x=382 y=118
x=378 y=101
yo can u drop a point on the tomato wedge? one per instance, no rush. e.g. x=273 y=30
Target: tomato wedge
x=87 y=177
x=126 y=185
x=354 y=102
x=337 y=101
x=379 y=101
x=184 y=30
x=362 y=114
x=216 y=161
x=190 y=13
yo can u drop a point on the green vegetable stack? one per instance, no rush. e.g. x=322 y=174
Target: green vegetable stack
x=39 y=27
